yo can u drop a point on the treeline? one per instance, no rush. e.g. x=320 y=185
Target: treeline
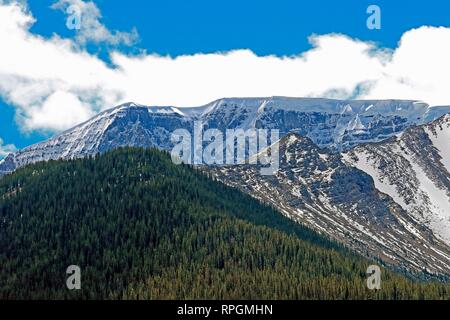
x=140 y=227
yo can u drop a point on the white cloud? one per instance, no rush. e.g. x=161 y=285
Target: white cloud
x=59 y=111
x=90 y=27
x=54 y=83
x=419 y=68
x=6 y=149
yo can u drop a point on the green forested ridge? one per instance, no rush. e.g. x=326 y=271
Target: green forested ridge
x=141 y=227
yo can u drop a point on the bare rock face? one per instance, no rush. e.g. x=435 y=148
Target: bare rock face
x=414 y=170
x=336 y=124
x=324 y=191
x=373 y=175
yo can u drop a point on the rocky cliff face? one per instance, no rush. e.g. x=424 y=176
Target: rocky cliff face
x=319 y=189
x=337 y=124
x=388 y=199
x=414 y=170
x=126 y=125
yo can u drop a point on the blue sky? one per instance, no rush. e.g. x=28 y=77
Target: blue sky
x=279 y=27
x=179 y=28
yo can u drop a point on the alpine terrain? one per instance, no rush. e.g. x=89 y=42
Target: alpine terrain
x=372 y=175
x=327 y=193
x=141 y=227
x=414 y=170
x=338 y=124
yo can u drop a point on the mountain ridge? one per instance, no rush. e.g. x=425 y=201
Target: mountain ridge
x=414 y=169
x=338 y=124
x=140 y=227
x=321 y=190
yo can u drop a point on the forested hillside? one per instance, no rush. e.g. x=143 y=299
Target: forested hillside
x=140 y=227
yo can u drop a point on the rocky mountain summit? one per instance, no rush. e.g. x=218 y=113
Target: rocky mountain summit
x=322 y=190
x=414 y=170
x=337 y=124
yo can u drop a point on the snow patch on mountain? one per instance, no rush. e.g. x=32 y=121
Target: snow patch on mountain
x=413 y=169
x=326 y=192
x=382 y=183
x=440 y=137
x=336 y=124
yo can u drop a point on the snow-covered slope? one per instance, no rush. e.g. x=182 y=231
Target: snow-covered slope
x=126 y=125
x=414 y=169
x=318 y=189
x=388 y=198
x=337 y=124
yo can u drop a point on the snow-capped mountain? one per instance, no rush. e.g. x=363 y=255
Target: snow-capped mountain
x=337 y=124
x=414 y=170
x=126 y=125
x=319 y=189
x=386 y=196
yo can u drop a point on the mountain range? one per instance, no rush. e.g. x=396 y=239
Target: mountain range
x=372 y=175
x=381 y=203
x=413 y=168
x=337 y=124
x=140 y=227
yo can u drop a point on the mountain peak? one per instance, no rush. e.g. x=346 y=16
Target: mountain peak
x=336 y=124
x=293 y=137
x=344 y=200
x=130 y=104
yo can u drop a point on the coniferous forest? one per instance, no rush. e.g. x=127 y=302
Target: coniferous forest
x=140 y=227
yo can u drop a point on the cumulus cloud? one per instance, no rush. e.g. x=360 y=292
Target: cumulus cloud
x=54 y=83
x=6 y=149
x=418 y=68
x=90 y=29
x=59 y=111
x=37 y=73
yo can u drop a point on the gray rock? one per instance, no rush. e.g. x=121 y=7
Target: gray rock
x=336 y=124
